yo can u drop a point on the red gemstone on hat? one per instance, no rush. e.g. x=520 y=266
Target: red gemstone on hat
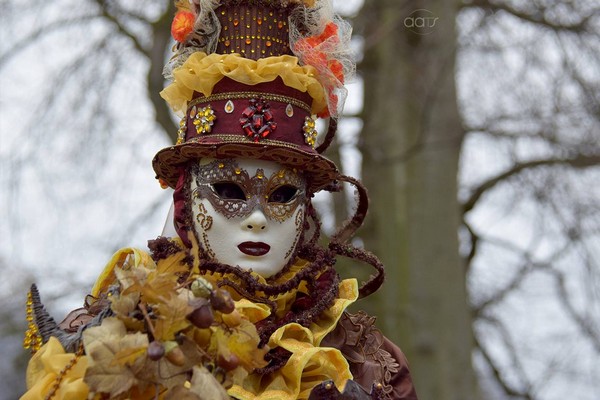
x=264 y=131
x=248 y=129
x=257 y=120
x=248 y=112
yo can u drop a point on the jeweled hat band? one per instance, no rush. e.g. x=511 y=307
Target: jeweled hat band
x=267 y=111
x=254 y=31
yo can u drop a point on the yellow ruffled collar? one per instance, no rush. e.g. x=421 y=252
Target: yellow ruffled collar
x=308 y=365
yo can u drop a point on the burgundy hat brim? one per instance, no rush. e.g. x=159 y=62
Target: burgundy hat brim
x=319 y=170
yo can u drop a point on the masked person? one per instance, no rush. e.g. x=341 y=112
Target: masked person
x=243 y=301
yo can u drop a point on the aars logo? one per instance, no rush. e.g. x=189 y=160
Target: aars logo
x=421 y=21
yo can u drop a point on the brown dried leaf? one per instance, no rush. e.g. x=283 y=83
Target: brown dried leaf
x=172 y=313
x=168 y=374
x=181 y=393
x=103 y=343
x=123 y=305
x=131 y=276
x=206 y=387
x=128 y=356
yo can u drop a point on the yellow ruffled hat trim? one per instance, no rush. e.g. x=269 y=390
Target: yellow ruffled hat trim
x=201 y=72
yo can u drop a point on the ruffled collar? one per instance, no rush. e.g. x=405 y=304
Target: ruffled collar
x=308 y=363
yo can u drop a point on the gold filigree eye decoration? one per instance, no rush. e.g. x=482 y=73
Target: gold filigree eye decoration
x=310 y=131
x=181 y=131
x=204 y=220
x=204 y=119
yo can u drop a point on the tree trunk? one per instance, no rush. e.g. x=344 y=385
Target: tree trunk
x=161 y=43
x=411 y=146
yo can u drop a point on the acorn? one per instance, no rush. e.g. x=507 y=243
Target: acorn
x=201 y=287
x=221 y=301
x=176 y=356
x=228 y=363
x=202 y=317
x=155 y=350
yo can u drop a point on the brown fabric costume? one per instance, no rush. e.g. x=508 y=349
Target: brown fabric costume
x=373 y=358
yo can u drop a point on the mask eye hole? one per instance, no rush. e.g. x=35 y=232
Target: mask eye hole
x=283 y=194
x=228 y=191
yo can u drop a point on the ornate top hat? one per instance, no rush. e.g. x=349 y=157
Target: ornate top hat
x=250 y=78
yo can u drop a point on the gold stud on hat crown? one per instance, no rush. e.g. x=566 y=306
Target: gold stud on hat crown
x=254 y=29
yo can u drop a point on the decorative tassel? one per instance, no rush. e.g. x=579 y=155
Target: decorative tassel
x=32 y=340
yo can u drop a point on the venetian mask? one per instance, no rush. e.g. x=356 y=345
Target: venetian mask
x=248 y=213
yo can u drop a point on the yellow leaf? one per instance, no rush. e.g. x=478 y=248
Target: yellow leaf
x=173 y=264
x=243 y=342
x=128 y=356
x=172 y=313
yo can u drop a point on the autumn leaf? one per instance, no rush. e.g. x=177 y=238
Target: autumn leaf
x=123 y=305
x=244 y=343
x=128 y=356
x=172 y=313
x=206 y=387
x=154 y=288
x=107 y=346
x=181 y=393
x=173 y=264
x=169 y=375
x=131 y=276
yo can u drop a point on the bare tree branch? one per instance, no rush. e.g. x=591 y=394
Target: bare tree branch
x=579 y=161
x=538 y=17
x=497 y=371
x=161 y=32
x=33 y=37
x=105 y=7
x=582 y=322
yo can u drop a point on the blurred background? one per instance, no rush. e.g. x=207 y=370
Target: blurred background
x=475 y=125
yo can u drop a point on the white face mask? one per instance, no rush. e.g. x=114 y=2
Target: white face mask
x=248 y=213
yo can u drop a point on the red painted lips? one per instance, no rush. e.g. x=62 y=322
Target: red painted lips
x=254 y=248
